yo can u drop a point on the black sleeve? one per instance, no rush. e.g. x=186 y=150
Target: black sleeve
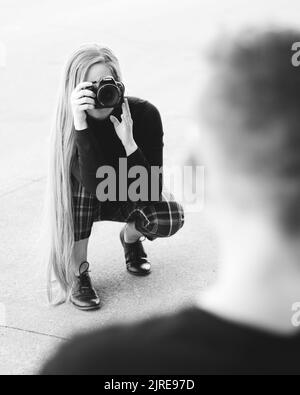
x=89 y=159
x=151 y=154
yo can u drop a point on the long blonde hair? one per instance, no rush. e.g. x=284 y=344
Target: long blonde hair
x=58 y=207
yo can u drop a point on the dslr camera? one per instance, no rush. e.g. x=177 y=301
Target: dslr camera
x=109 y=93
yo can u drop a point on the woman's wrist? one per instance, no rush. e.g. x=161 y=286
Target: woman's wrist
x=80 y=125
x=130 y=147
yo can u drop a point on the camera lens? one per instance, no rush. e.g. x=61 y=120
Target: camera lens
x=108 y=96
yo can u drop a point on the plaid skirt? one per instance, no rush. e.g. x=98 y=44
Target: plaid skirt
x=153 y=220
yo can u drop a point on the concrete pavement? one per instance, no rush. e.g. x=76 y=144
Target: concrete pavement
x=33 y=329
x=38 y=37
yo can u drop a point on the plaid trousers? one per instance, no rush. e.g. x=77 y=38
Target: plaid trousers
x=153 y=220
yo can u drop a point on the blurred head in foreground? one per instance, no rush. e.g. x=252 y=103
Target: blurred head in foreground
x=250 y=142
x=252 y=110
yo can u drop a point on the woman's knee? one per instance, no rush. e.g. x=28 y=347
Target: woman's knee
x=177 y=217
x=161 y=220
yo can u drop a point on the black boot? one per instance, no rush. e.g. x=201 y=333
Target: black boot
x=136 y=257
x=83 y=294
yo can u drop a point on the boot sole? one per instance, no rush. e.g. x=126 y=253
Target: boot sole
x=139 y=274
x=86 y=308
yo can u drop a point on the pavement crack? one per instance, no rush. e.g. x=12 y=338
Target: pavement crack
x=12 y=328
x=19 y=188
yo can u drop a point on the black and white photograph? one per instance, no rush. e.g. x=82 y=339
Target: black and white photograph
x=149 y=190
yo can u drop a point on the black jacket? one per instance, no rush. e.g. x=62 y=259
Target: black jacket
x=100 y=146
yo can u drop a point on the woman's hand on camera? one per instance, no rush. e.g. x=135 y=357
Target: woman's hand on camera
x=82 y=99
x=124 y=129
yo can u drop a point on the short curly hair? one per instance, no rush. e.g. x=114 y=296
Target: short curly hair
x=253 y=106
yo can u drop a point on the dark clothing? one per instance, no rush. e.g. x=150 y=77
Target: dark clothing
x=192 y=342
x=100 y=146
x=155 y=220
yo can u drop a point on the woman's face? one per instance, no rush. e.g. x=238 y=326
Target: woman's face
x=95 y=73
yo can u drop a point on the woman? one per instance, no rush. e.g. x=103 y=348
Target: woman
x=84 y=139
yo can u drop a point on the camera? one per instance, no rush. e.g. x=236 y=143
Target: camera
x=109 y=93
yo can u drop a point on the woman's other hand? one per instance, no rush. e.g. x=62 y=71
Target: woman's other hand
x=82 y=99
x=124 y=129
